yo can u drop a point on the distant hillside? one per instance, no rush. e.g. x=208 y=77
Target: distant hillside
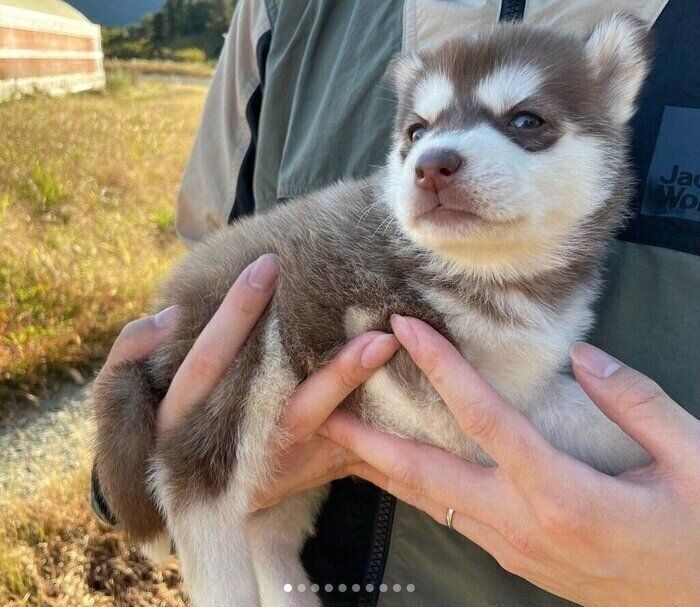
x=183 y=30
x=116 y=13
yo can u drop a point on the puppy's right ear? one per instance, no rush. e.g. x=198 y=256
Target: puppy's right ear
x=402 y=70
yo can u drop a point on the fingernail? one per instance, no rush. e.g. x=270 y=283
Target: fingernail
x=264 y=272
x=165 y=318
x=403 y=327
x=375 y=352
x=593 y=360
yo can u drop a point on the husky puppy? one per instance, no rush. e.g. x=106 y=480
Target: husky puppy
x=507 y=178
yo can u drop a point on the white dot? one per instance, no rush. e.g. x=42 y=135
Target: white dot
x=397 y=587
x=287 y=587
x=383 y=587
x=356 y=588
x=369 y=588
x=328 y=587
x=410 y=587
x=301 y=587
x=342 y=587
x=315 y=587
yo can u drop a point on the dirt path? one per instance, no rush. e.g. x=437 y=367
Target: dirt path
x=44 y=440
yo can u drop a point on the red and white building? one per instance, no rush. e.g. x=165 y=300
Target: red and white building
x=47 y=46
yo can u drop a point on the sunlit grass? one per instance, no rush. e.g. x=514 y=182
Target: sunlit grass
x=169 y=68
x=87 y=191
x=54 y=553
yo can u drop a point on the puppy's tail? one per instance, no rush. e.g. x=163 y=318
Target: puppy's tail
x=125 y=406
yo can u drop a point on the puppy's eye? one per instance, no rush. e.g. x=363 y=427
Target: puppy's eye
x=526 y=120
x=415 y=132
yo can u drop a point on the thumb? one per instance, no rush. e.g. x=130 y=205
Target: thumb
x=141 y=337
x=636 y=403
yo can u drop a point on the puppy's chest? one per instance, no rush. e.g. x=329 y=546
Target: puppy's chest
x=517 y=356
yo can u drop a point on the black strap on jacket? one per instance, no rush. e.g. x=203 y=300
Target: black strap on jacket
x=244 y=202
x=512 y=10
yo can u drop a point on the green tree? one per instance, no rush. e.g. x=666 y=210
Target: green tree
x=198 y=16
x=221 y=13
x=181 y=24
x=160 y=32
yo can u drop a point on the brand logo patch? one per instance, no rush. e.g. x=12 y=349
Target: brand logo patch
x=673 y=182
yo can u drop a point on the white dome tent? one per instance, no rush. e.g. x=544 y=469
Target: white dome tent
x=47 y=46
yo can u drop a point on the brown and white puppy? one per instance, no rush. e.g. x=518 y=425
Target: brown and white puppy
x=507 y=178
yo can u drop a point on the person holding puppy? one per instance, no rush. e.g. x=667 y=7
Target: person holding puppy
x=559 y=528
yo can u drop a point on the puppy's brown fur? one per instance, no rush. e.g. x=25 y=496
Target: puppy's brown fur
x=350 y=248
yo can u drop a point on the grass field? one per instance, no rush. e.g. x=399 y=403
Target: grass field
x=164 y=68
x=54 y=553
x=87 y=190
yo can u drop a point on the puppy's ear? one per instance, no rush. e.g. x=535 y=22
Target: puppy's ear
x=402 y=70
x=619 y=49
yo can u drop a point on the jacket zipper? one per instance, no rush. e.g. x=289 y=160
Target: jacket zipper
x=379 y=550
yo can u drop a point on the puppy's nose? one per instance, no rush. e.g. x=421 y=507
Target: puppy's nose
x=436 y=169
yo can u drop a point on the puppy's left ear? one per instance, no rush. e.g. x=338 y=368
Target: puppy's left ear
x=619 y=49
x=402 y=70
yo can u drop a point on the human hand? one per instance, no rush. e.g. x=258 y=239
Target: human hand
x=307 y=460
x=591 y=538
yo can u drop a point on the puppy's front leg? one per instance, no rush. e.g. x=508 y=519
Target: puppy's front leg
x=277 y=536
x=212 y=544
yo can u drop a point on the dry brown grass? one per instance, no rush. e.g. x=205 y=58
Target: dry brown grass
x=166 y=68
x=87 y=190
x=54 y=553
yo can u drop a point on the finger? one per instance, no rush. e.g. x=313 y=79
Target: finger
x=306 y=465
x=320 y=393
x=478 y=532
x=504 y=433
x=425 y=470
x=434 y=509
x=637 y=404
x=217 y=346
x=327 y=477
x=141 y=337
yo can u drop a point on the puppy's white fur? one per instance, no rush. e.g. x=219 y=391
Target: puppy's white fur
x=508 y=86
x=434 y=94
x=518 y=191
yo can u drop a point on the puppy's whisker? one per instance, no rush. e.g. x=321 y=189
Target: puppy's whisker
x=388 y=225
x=381 y=225
x=365 y=213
